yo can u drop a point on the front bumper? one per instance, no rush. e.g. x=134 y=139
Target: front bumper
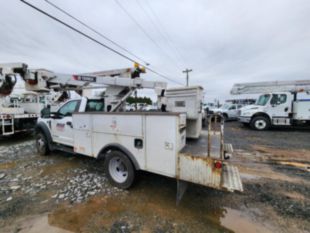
x=244 y=119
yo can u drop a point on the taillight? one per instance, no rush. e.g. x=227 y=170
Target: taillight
x=218 y=164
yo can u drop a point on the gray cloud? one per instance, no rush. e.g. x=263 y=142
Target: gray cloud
x=223 y=41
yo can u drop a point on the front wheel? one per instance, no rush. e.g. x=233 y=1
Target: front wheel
x=119 y=170
x=260 y=123
x=41 y=144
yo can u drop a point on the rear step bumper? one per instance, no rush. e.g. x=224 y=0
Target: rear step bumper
x=231 y=178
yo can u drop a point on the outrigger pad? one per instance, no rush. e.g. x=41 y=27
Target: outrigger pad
x=181 y=189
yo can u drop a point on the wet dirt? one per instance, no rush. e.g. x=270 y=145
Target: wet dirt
x=275 y=199
x=148 y=209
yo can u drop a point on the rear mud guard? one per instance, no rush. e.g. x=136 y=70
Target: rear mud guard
x=181 y=189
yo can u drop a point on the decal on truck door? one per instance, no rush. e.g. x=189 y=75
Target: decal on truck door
x=114 y=123
x=60 y=126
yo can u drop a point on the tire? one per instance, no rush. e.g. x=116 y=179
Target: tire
x=260 y=123
x=41 y=144
x=225 y=117
x=119 y=170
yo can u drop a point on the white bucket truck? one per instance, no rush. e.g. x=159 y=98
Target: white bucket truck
x=277 y=105
x=129 y=141
x=19 y=109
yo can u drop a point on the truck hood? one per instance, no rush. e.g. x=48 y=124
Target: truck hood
x=251 y=109
x=219 y=110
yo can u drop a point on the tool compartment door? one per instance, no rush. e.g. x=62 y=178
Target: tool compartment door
x=82 y=127
x=162 y=135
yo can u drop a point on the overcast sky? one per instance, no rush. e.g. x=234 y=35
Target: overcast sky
x=223 y=41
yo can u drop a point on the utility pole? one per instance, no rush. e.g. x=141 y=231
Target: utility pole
x=187 y=76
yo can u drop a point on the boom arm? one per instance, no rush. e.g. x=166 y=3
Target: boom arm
x=8 y=76
x=269 y=87
x=119 y=84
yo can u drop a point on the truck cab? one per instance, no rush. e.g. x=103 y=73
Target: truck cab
x=269 y=109
x=60 y=124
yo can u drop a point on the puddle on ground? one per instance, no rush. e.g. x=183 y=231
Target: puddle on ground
x=304 y=166
x=151 y=208
x=239 y=222
x=36 y=224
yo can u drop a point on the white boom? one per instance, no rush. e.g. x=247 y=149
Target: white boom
x=119 y=84
x=8 y=76
x=269 y=87
x=44 y=80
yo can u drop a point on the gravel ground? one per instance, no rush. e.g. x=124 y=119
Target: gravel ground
x=72 y=193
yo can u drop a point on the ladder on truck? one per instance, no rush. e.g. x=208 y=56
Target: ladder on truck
x=7 y=123
x=269 y=87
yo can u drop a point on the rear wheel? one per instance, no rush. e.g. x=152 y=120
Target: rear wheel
x=41 y=144
x=119 y=170
x=260 y=123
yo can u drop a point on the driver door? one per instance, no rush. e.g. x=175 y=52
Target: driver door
x=61 y=124
x=279 y=106
x=232 y=111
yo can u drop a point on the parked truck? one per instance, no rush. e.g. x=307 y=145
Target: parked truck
x=277 y=105
x=130 y=141
x=19 y=111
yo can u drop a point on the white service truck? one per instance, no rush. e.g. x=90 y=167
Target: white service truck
x=129 y=141
x=229 y=111
x=278 y=104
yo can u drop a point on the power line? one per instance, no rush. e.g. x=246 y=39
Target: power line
x=144 y=31
x=95 y=31
x=96 y=41
x=166 y=34
x=156 y=27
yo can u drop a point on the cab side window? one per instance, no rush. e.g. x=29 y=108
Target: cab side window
x=278 y=99
x=95 y=106
x=69 y=108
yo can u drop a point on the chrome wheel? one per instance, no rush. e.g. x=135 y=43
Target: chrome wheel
x=118 y=169
x=260 y=124
x=41 y=144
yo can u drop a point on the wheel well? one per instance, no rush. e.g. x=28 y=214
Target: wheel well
x=41 y=128
x=260 y=114
x=104 y=151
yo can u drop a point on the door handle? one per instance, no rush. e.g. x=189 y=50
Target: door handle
x=286 y=109
x=69 y=123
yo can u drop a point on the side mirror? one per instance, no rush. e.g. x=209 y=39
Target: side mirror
x=55 y=115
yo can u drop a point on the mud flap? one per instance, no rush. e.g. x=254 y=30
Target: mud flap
x=231 y=178
x=181 y=189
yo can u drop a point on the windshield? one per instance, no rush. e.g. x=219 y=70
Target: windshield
x=263 y=99
x=225 y=106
